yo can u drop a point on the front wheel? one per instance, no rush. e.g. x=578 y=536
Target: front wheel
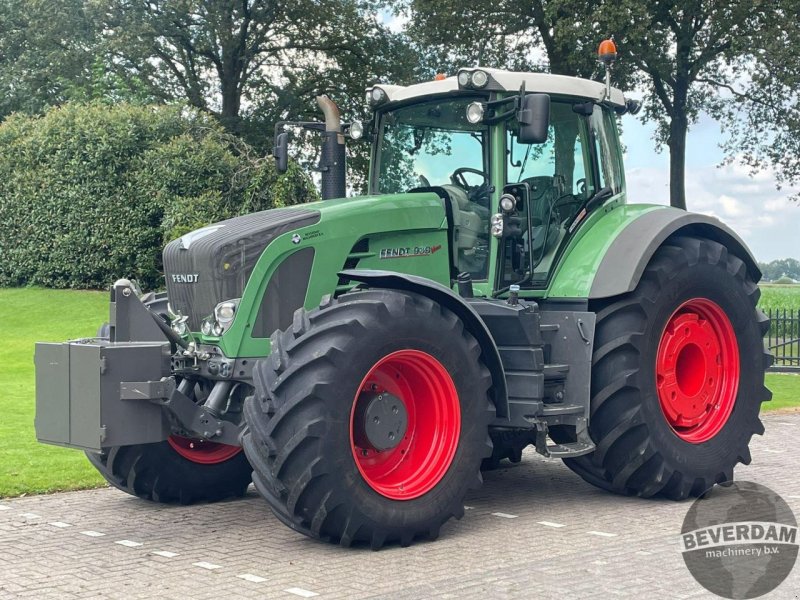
x=179 y=470
x=677 y=375
x=370 y=419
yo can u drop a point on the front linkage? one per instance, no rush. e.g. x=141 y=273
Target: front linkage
x=143 y=402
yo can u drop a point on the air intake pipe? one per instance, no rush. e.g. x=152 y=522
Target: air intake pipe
x=332 y=161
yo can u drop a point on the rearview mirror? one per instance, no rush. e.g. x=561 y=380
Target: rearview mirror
x=534 y=118
x=281 y=152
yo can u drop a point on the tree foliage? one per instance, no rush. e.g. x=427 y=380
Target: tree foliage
x=685 y=54
x=92 y=193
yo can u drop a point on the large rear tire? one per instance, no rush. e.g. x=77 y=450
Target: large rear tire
x=178 y=470
x=677 y=376
x=370 y=419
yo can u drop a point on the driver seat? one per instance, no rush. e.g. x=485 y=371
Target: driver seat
x=468 y=222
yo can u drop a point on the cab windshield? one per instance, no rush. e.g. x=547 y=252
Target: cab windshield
x=431 y=144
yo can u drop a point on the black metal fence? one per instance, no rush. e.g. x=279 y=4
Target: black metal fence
x=783 y=339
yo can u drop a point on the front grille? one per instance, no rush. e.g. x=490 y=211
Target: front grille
x=214 y=263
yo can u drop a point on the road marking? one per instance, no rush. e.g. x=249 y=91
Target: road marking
x=644 y=553
x=468 y=507
x=301 y=592
x=206 y=565
x=92 y=533
x=795 y=497
x=4 y=507
x=30 y=516
x=128 y=543
x=165 y=553
x=504 y=515
x=59 y=524
x=550 y=524
x=250 y=577
x=602 y=534
x=772 y=451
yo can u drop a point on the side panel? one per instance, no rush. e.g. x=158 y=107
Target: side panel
x=610 y=257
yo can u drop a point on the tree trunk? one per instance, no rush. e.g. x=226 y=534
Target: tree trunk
x=678 y=127
x=677 y=161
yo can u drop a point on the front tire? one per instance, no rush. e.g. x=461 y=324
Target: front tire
x=677 y=375
x=370 y=419
x=178 y=470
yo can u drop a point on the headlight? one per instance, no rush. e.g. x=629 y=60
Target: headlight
x=479 y=79
x=377 y=96
x=179 y=326
x=475 y=112
x=356 y=130
x=508 y=202
x=224 y=312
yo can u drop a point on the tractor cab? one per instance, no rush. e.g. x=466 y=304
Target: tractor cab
x=517 y=171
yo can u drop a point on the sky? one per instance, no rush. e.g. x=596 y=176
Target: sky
x=752 y=206
x=763 y=216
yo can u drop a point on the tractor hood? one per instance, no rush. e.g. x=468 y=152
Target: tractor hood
x=212 y=264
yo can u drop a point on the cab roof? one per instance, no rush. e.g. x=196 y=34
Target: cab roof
x=508 y=81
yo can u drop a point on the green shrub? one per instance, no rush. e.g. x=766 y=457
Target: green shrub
x=91 y=193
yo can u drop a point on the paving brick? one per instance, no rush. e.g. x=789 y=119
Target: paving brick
x=481 y=556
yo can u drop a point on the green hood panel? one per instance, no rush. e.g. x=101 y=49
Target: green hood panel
x=406 y=233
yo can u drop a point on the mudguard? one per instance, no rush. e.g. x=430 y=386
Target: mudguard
x=446 y=297
x=610 y=259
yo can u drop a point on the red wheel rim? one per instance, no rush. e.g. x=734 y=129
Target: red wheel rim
x=426 y=450
x=697 y=370
x=202 y=451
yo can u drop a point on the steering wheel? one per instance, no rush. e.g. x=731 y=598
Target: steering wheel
x=458 y=176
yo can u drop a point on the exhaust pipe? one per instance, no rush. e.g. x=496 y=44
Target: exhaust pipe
x=332 y=161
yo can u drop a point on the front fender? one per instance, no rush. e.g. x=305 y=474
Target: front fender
x=452 y=301
x=610 y=258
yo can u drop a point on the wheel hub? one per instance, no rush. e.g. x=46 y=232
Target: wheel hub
x=697 y=370
x=381 y=420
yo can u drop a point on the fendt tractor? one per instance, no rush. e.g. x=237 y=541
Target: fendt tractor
x=361 y=359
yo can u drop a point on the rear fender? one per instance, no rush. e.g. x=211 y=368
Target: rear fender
x=610 y=260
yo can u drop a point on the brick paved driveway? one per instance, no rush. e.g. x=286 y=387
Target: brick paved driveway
x=534 y=530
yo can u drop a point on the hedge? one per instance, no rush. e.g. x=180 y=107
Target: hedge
x=92 y=193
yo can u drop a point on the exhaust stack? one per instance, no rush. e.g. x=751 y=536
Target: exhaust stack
x=332 y=161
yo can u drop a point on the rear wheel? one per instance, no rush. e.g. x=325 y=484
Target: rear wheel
x=370 y=419
x=677 y=375
x=178 y=470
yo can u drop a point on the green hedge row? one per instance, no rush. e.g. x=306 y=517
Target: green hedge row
x=91 y=193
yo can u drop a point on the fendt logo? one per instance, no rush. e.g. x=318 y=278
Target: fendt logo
x=185 y=277
x=409 y=252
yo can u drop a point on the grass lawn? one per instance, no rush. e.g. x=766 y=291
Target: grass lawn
x=28 y=316
x=31 y=315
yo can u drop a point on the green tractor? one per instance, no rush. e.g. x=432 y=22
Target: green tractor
x=361 y=359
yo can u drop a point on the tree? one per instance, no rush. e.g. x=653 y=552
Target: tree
x=250 y=60
x=687 y=51
x=559 y=36
x=764 y=118
x=682 y=52
x=45 y=53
